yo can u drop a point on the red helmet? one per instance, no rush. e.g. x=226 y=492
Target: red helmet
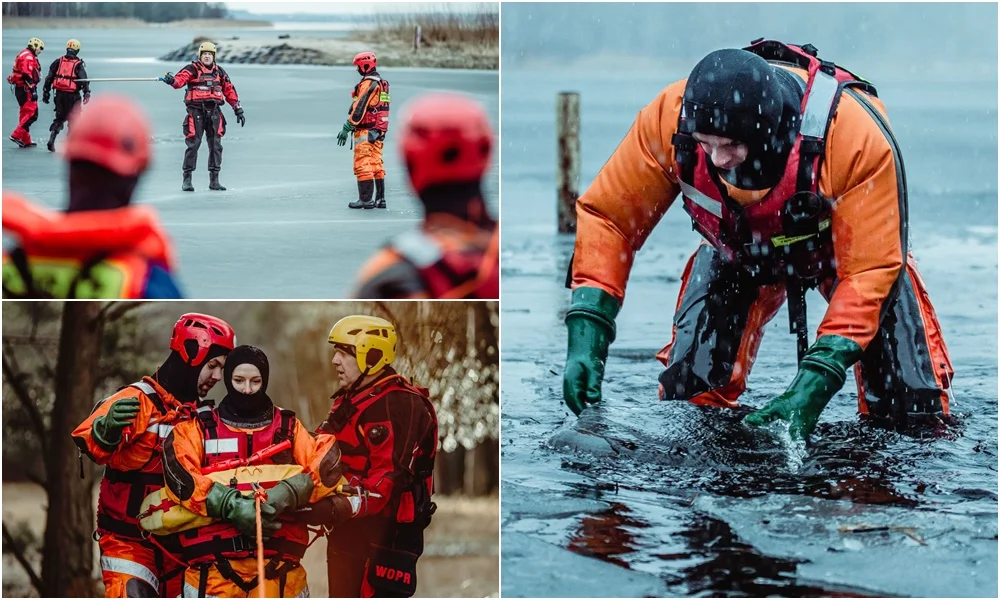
x=204 y=329
x=112 y=132
x=366 y=62
x=447 y=138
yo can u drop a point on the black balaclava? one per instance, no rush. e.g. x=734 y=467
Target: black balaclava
x=739 y=95
x=71 y=53
x=246 y=409
x=180 y=378
x=463 y=200
x=92 y=187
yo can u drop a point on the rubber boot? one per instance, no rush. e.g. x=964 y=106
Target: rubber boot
x=186 y=186
x=52 y=141
x=365 y=200
x=213 y=182
x=380 y=193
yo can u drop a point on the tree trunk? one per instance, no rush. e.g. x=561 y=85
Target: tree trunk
x=68 y=559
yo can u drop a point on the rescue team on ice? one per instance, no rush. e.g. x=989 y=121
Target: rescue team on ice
x=177 y=513
x=101 y=246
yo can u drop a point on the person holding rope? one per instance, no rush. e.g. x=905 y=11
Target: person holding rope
x=387 y=428
x=222 y=556
x=68 y=76
x=125 y=433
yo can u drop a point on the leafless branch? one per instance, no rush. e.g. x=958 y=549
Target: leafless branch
x=113 y=311
x=13 y=375
x=8 y=542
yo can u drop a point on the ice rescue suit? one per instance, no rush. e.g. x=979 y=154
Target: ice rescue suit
x=387 y=432
x=208 y=88
x=25 y=77
x=447 y=257
x=876 y=296
x=222 y=562
x=63 y=75
x=118 y=253
x=369 y=114
x=132 y=565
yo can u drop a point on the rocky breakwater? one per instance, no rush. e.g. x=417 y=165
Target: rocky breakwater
x=338 y=52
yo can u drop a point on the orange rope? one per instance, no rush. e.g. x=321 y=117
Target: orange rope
x=260 y=495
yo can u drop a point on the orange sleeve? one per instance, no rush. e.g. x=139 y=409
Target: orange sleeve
x=628 y=197
x=387 y=276
x=183 y=453
x=127 y=455
x=860 y=175
x=314 y=455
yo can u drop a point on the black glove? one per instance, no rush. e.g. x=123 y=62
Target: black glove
x=328 y=512
x=45 y=97
x=168 y=79
x=239 y=116
x=86 y=98
x=34 y=94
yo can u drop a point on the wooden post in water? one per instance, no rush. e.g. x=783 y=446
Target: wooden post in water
x=416 y=38
x=568 y=169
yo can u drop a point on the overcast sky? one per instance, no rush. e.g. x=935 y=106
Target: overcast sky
x=342 y=8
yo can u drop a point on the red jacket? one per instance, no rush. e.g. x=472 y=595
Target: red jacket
x=27 y=71
x=206 y=84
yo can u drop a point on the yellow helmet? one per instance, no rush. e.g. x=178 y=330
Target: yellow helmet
x=373 y=340
x=73 y=45
x=36 y=44
x=206 y=47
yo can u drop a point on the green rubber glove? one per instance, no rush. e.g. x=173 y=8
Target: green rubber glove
x=229 y=505
x=290 y=493
x=590 y=323
x=344 y=134
x=107 y=430
x=820 y=376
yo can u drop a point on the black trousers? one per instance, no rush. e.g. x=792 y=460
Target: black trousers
x=64 y=103
x=204 y=120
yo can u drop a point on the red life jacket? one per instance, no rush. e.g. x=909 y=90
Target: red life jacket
x=65 y=79
x=26 y=69
x=376 y=116
x=788 y=231
x=450 y=273
x=343 y=422
x=122 y=492
x=86 y=254
x=206 y=86
x=223 y=539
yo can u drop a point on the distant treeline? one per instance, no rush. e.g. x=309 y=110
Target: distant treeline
x=154 y=12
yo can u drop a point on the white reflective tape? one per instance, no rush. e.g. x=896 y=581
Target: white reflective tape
x=128 y=567
x=817 y=112
x=222 y=446
x=161 y=430
x=418 y=248
x=192 y=592
x=692 y=194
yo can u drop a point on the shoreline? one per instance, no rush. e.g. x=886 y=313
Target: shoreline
x=94 y=23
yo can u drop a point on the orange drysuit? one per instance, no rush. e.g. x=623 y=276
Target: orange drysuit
x=639 y=183
x=369 y=114
x=131 y=564
x=184 y=454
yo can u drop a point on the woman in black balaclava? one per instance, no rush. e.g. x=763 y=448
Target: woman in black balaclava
x=246 y=374
x=736 y=94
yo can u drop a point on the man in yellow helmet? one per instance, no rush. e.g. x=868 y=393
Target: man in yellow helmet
x=64 y=73
x=387 y=431
x=24 y=77
x=208 y=88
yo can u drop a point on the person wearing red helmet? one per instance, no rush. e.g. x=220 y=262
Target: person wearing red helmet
x=447 y=142
x=208 y=88
x=100 y=247
x=24 y=78
x=126 y=432
x=64 y=75
x=368 y=120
